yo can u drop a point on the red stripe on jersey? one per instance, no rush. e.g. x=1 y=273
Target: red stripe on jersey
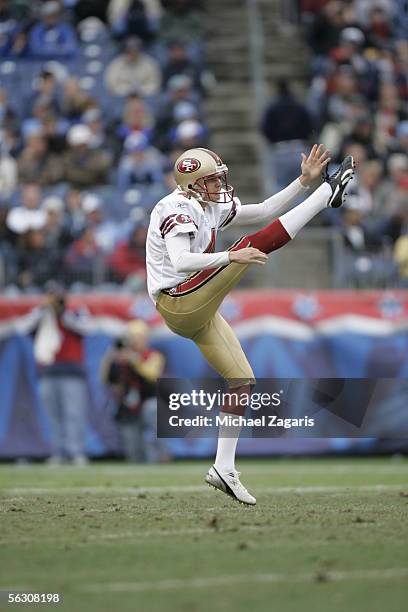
x=165 y=221
x=166 y=224
x=201 y=278
x=174 y=220
x=168 y=228
x=230 y=216
x=211 y=245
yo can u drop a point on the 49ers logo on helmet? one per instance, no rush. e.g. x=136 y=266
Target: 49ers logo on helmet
x=190 y=164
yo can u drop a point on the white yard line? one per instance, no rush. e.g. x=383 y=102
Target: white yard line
x=172 y=584
x=133 y=535
x=217 y=581
x=118 y=490
x=270 y=467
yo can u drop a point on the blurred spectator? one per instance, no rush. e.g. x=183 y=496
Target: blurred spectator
x=33 y=124
x=361 y=133
x=132 y=71
x=8 y=171
x=83 y=9
x=365 y=263
x=287 y=127
x=387 y=116
x=99 y=138
x=178 y=62
x=141 y=164
x=179 y=90
x=365 y=186
x=189 y=134
x=9 y=28
x=27 y=216
x=85 y=167
x=128 y=260
x=8 y=117
x=37 y=262
x=391 y=195
x=105 y=231
x=379 y=27
x=74 y=213
x=394 y=226
x=57 y=234
x=36 y=163
x=136 y=118
x=81 y=258
x=45 y=90
x=402 y=138
x=74 y=100
x=182 y=21
x=54 y=130
x=134 y=17
x=59 y=353
x=131 y=370
x=52 y=37
x=325 y=30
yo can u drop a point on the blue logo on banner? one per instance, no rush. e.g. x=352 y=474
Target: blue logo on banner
x=306 y=307
x=390 y=306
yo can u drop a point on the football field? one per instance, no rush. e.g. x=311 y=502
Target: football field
x=326 y=535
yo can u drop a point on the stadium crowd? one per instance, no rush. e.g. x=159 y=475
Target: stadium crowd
x=358 y=103
x=97 y=99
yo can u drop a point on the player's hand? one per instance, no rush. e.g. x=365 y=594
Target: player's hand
x=312 y=165
x=248 y=256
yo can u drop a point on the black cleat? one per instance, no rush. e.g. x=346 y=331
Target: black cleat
x=339 y=180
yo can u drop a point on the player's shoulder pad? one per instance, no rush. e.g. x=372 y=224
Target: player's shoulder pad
x=177 y=203
x=178 y=214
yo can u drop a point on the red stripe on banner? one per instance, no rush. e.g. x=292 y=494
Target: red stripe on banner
x=308 y=306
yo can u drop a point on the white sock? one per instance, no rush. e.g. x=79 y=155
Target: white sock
x=227 y=444
x=299 y=216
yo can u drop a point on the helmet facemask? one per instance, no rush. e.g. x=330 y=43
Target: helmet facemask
x=207 y=193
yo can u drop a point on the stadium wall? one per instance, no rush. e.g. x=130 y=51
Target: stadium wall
x=286 y=334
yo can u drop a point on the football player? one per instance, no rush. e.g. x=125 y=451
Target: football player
x=188 y=280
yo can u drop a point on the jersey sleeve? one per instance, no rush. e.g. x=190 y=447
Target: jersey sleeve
x=178 y=218
x=228 y=213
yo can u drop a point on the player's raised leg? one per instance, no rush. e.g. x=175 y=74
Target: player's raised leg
x=329 y=194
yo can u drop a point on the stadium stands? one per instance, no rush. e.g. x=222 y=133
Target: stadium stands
x=63 y=129
x=358 y=100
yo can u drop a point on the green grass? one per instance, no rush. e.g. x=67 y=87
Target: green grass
x=326 y=535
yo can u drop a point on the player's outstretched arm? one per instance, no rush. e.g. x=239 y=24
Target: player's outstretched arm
x=183 y=260
x=312 y=166
x=178 y=248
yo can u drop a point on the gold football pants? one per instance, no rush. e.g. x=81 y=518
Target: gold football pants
x=191 y=310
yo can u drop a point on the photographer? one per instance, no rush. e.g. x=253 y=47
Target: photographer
x=59 y=353
x=130 y=370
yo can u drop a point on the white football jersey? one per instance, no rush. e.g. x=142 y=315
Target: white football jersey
x=177 y=214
